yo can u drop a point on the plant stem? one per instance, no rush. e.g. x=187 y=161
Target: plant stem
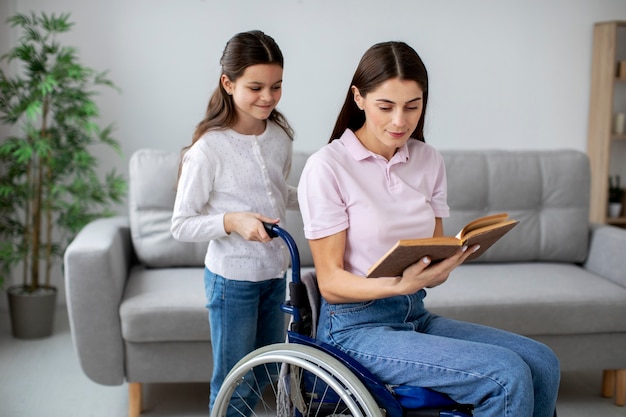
x=36 y=216
x=48 y=241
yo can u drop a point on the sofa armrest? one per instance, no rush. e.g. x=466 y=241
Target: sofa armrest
x=96 y=265
x=607 y=253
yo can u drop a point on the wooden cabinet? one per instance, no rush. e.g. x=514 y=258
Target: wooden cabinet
x=606 y=148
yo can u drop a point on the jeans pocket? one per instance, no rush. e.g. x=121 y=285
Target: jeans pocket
x=213 y=285
x=348 y=308
x=349 y=316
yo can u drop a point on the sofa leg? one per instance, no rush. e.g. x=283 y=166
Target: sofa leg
x=134 y=399
x=620 y=387
x=614 y=384
x=608 y=383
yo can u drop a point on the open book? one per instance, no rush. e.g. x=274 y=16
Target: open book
x=484 y=231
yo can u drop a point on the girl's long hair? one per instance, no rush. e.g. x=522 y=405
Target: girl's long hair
x=242 y=51
x=382 y=62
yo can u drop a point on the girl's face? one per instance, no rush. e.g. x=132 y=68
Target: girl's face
x=392 y=112
x=255 y=94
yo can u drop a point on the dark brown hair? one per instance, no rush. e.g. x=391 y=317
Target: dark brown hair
x=382 y=62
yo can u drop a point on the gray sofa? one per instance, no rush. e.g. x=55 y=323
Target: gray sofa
x=136 y=299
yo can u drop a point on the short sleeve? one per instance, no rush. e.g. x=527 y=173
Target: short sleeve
x=439 y=201
x=321 y=204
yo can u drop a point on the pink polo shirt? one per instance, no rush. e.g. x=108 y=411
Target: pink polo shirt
x=344 y=186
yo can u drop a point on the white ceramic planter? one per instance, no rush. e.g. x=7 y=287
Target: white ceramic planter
x=615 y=210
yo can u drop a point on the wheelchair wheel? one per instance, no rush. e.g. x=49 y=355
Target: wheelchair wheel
x=312 y=383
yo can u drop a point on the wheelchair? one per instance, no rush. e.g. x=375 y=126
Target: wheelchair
x=305 y=377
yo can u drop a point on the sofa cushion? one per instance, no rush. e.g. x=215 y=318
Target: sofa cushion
x=152 y=191
x=548 y=191
x=165 y=304
x=168 y=305
x=538 y=298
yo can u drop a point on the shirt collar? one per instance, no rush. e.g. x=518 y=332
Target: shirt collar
x=360 y=152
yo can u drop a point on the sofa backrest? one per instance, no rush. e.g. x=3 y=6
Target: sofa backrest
x=548 y=191
x=152 y=189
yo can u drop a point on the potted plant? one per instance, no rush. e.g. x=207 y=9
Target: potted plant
x=49 y=186
x=616 y=196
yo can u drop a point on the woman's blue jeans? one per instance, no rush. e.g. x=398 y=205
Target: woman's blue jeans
x=502 y=374
x=243 y=316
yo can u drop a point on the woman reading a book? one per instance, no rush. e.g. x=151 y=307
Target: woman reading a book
x=377 y=182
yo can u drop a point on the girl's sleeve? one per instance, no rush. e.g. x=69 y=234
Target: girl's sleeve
x=190 y=221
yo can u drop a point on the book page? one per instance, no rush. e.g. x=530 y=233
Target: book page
x=489 y=227
x=487 y=236
x=481 y=222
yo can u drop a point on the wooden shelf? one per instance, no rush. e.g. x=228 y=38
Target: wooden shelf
x=609 y=39
x=617 y=221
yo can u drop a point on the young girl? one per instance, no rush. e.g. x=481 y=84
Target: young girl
x=233 y=178
x=377 y=182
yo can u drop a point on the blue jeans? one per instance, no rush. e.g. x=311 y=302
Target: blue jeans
x=243 y=316
x=402 y=343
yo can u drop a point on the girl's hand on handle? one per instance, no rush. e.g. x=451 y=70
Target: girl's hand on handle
x=424 y=275
x=248 y=225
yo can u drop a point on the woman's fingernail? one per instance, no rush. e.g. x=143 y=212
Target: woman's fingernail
x=475 y=249
x=464 y=248
x=426 y=260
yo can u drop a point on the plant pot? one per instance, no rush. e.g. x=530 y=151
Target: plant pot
x=32 y=313
x=615 y=210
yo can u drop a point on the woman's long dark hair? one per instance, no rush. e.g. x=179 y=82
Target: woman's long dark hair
x=382 y=62
x=242 y=51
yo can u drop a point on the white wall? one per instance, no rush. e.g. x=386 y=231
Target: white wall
x=504 y=74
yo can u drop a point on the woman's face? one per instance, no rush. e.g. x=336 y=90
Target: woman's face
x=392 y=112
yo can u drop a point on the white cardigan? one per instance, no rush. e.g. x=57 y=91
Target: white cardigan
x=225 y=171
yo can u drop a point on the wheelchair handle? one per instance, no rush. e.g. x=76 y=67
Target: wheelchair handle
x=298 y=304
x=274 y=230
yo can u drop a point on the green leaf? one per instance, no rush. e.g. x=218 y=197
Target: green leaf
x=48 y=84
x=33 y=111
x=19 y=20
x=23 y=154
x=56 y=24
